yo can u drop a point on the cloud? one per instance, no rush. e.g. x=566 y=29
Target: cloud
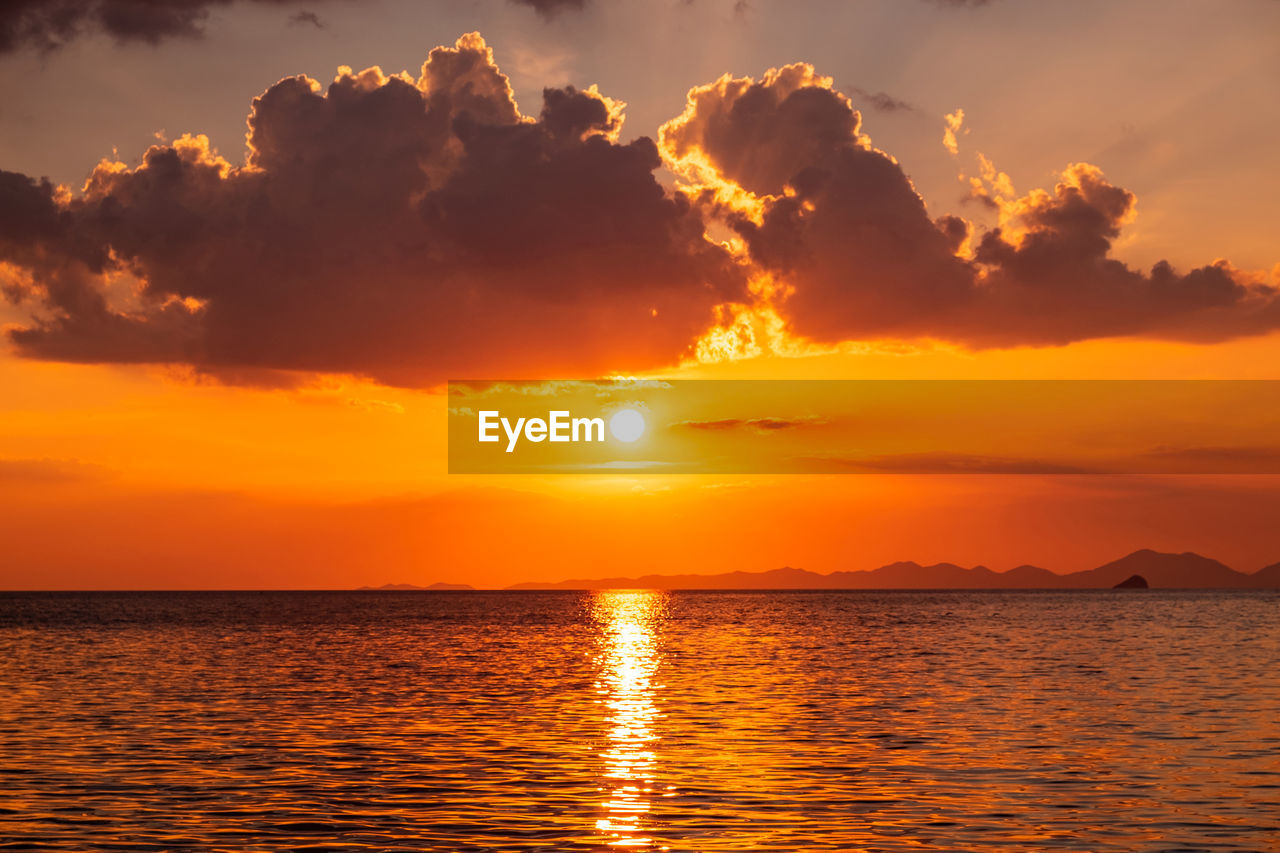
x=881 y=101
x=409 y=230
x=49 y=471
x=762 y=425
x=837 y=224
x=1160 y=461
x=1218 y=460
x=946 y=463
x=419 y=229
x=827 y=213
x=550 y=8
x=954 y=122
x=1046 y=276
x=307 y=17
x=46 y=25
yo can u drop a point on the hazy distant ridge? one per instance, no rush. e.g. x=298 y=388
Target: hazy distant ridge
x=437 y=587
x=1161 y=570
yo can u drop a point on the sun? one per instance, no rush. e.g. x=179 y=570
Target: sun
x=626 y=425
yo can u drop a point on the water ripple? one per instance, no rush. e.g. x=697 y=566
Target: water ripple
x=640 y=720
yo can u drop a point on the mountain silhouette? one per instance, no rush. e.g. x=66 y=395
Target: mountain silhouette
x=1160 y=570
x=436 y=587
x=784 y=578
x=1267 y=578
x=1167 y=571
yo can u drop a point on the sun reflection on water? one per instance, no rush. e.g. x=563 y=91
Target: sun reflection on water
x=629 y=656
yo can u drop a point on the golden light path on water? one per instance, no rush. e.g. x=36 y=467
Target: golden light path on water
x=629 y=659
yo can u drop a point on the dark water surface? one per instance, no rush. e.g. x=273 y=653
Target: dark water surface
x=685 y=721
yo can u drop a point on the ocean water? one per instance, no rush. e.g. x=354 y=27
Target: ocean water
x=1019 y=721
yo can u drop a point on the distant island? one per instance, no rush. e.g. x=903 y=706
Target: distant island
x=1133 y=582
x=1155 y=569
x=435 y=587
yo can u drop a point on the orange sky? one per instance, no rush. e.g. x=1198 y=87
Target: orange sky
x=225 y=372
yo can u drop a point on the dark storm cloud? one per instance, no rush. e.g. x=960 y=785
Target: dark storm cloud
x=408 y=230
x=49 y=24
x=839 y=223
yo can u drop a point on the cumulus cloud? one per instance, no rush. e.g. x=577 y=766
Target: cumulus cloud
x=410 y=230
x=49 y=24
x=418 y=229
x=1047 y=275
x=829 y=214
x=785 y=163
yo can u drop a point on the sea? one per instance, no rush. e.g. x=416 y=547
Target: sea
x=1134 y=720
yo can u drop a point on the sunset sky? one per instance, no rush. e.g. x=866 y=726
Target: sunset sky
x=243 y=245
